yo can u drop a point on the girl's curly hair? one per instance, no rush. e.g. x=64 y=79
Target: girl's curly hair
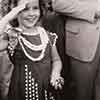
x=7 y=5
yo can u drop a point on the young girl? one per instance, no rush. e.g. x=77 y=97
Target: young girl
x=32 y=51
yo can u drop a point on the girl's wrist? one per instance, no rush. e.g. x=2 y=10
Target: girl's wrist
x=56 y=72
x=6 y=19
x=57 y=66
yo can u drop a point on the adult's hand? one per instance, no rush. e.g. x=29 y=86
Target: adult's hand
x=97 y=15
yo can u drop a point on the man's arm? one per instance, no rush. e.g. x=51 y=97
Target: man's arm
x=76 y=8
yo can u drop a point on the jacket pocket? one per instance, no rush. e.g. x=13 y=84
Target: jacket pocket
x=73 y=26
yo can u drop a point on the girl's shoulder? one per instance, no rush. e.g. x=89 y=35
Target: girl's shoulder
x=51 y=36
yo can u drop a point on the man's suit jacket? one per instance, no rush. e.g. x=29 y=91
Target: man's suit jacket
x=82 y=29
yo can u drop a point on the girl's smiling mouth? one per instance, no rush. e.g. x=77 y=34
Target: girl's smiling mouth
x=30 y=19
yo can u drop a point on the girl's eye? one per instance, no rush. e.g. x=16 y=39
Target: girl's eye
x=27 y=8
x=35 y=7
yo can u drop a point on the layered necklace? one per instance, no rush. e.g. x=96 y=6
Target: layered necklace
x=42 y=47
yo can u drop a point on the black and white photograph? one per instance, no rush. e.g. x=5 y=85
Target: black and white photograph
x=49 y=49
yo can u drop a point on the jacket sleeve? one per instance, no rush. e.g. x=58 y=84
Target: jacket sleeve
x=77 y=9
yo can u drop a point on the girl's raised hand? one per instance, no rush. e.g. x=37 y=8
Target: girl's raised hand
x=11 y=15
x=16 y=10
x=21 y=6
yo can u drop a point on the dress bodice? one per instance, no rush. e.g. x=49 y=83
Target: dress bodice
x=21 y=45
x=19 y=56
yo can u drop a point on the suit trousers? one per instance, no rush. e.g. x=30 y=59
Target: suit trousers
x=86 y=76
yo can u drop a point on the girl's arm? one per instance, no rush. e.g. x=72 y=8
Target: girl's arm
x=10 y=16
x=56 y=68
x=56 y=61
x=4 y=22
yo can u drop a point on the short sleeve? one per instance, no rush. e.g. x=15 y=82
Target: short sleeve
x=13 y=41
x=53 y=38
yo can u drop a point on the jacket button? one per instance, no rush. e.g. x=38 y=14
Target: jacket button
x=97 y=27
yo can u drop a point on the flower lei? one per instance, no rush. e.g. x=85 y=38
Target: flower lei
x=42 y=47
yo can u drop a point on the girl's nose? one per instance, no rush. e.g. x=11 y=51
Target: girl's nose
x=31 y=12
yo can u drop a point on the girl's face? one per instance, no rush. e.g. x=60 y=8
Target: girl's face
x=30 y=15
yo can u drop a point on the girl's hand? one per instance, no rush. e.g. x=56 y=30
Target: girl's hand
x=56 y=80
x=11 y=15
x=21 y=6
x=16 y=10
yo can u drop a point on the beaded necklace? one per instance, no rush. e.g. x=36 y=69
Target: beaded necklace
x=42 y=47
